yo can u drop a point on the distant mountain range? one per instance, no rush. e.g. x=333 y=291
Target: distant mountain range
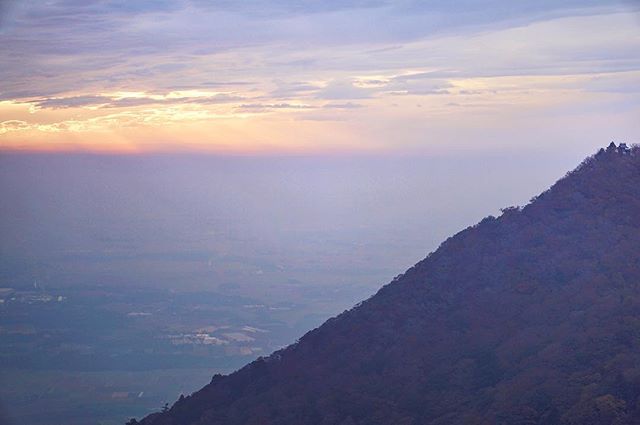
x=529 y=318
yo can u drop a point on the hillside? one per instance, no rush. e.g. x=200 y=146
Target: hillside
x=529 y=318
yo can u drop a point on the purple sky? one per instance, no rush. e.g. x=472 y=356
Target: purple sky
x=318 y=76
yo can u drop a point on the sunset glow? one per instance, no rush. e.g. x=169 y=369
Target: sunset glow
x=179 y=78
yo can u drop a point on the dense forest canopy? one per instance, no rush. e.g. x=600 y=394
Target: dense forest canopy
x=532 y=317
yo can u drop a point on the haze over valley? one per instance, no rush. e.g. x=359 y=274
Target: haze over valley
x=129 y=280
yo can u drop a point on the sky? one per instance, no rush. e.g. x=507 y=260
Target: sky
x=283 y=76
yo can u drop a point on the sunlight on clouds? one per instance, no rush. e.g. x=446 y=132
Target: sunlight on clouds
x=298 y=125
x=373 y=95
x=179 y=94
x=126 y=95
x=227 y=128
x=192 y=93
x=374 y=81
x=13 y=125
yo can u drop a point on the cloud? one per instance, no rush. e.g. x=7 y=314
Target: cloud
x=84 y=46
x=426 y=92
x=71 y=102
x=266 y=107
x=292 y=89
x=343 y=90
x=425 y=75
x=13 y=125
x=623 y=83
x=348 y=105
x=102 y=101
x=199 y=100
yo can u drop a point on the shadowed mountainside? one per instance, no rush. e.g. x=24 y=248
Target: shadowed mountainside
x=529 y=318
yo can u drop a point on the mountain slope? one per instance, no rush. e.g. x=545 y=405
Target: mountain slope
x=529 y=318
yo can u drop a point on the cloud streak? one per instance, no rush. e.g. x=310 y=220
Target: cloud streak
x=133 y=101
